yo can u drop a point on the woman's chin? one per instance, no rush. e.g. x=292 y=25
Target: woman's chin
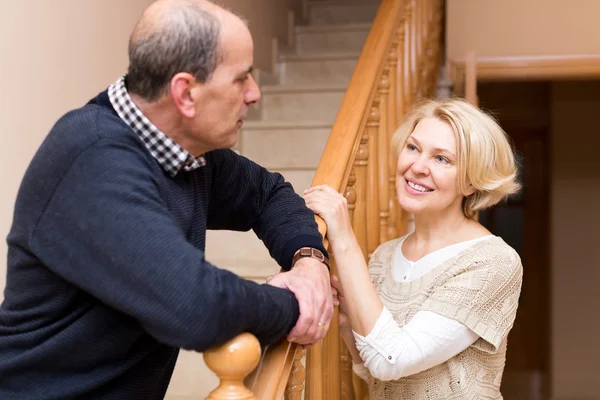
x=411 y=205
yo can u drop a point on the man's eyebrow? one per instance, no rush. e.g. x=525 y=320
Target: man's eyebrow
x=246 y=72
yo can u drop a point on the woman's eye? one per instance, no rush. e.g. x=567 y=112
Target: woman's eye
x=442 y=159
x=410 y=147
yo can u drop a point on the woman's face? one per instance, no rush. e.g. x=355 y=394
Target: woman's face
x=426 y=171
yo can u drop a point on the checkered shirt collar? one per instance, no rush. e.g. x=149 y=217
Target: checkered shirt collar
x=169 y=154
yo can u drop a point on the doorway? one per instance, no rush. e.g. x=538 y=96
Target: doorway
x=522 y=109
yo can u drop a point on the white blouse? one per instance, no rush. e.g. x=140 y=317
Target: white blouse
x=391 y=352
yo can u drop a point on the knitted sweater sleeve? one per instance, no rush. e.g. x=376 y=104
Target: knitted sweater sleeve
x=107 y=231
x=482 y=294
x=246 y=196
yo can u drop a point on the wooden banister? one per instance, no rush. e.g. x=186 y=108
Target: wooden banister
x=398 y=65
x=344 y=139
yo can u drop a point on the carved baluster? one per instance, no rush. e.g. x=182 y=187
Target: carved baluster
x=408 y=56
x=347 y=387
x=350 y=194
x=389 y=168
x=403 y=96
x=295 y=386
x=347 y=390
x=400 y=76
x=314 y=373
x=232 y=362
x=438 y=21
x=360 y=211
x=373 y=204
x=331 y=352
x=414 y=55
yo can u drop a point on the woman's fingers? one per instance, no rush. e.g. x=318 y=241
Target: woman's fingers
x=335 y=283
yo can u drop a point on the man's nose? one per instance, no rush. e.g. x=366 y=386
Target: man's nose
x=252 y=94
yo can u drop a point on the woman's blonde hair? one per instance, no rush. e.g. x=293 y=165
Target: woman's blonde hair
x=485 y=158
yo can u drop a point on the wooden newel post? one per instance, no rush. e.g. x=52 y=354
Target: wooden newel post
x=232 y=362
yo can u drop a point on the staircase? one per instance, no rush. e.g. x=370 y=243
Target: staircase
x=295 y=118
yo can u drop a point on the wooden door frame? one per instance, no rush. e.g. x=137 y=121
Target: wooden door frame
x=543 y=67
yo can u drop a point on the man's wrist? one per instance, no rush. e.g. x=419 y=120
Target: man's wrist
x=302 y=240
x=310 y=252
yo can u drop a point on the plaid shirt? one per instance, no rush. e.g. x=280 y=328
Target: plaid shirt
x=169 y=154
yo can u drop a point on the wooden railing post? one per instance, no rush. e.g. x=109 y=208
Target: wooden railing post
x=331 y=353
x=388 y=159
x=408 y=56
x=373 y=202
x=295 y=386
x=232 y=362
x=314 y=372
x=347 y=389
x=414 y=55
x=360 y=211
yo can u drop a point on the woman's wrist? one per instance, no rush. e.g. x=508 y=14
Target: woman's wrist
x=346 y=333
x=342 y=243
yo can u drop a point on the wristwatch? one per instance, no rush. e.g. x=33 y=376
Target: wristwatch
x=312 y=253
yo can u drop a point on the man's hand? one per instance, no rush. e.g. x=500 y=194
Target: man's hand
x=309 y=281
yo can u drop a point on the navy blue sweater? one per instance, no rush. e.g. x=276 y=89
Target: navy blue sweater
x=107 y=277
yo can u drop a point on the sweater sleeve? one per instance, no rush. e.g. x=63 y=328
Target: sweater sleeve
x=483 y=296
x=246 y=196
x=107 y=231
x=392 y=352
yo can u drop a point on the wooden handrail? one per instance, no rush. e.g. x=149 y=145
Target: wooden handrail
x=344 y=139
x=399 y=64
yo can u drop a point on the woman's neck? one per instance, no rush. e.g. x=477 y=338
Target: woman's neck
x=436 y=229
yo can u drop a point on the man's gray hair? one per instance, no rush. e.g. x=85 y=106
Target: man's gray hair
x=184 y=39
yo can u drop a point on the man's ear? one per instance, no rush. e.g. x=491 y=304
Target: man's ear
x=182 y=93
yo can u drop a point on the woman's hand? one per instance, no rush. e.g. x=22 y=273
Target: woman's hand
x=341 y=302
x=324 y=201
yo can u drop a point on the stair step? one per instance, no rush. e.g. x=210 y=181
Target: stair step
x=233 y=248
x=297 y=102
x=327 y=56
x=341 y=12
x=317 y=68
x=285 y=144
x=331 y=38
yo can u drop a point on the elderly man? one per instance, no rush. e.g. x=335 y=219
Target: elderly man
x=107 y=277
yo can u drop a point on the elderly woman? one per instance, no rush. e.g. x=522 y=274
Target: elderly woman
x=429 y=317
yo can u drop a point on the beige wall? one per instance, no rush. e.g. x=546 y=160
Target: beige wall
x=55 y=56
x=522 y=27
x=575 y=232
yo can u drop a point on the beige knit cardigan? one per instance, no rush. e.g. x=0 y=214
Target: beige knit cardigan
x=480 y=288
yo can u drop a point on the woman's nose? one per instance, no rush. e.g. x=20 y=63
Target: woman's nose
x=420 y=166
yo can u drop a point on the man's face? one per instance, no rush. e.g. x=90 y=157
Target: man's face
x=223 y=101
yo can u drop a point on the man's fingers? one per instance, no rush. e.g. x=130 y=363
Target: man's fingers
x=326 y=308
x=305 y=321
